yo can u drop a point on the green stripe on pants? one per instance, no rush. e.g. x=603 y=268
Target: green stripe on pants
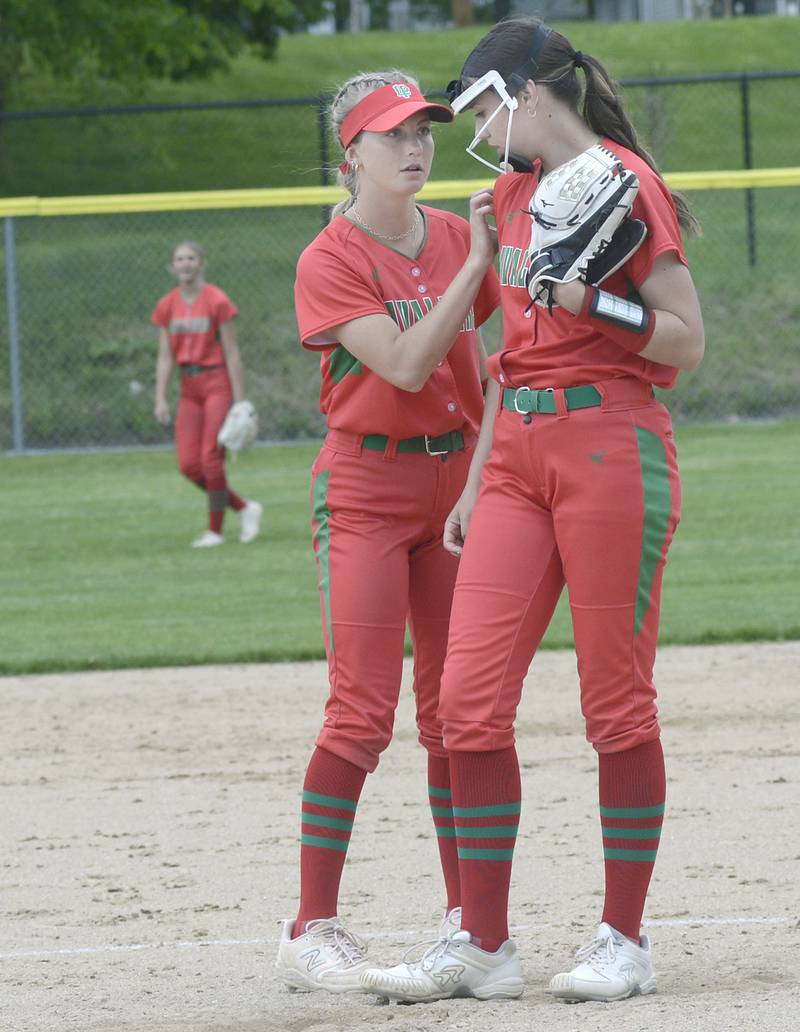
x=657 y=507
x=321 y=514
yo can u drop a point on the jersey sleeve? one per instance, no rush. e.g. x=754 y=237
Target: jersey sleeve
x=655 y=207
x=161 y=313
x=329 y=291
x=223 y=308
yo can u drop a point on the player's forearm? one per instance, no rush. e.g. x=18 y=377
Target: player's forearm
x=235 y=373
x=416 y=352
x=486 y=435
x=653 y=333
x=163 y=373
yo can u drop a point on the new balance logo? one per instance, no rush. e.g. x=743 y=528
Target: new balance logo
x=313 y=959
x=448 y=976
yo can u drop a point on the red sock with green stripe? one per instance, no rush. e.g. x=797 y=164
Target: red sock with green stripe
x=632 y=794
x=331 y=791
x=486 y=807
x=441 y=801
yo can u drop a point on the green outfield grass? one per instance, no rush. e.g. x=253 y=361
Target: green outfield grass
x=97 y=572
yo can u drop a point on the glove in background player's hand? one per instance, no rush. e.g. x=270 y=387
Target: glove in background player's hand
x=578 y=211
x=240 y=428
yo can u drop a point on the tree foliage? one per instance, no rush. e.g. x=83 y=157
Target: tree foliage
x=118 y=40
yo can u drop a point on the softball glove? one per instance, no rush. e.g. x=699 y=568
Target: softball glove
x=578 y=211
x=240 y=428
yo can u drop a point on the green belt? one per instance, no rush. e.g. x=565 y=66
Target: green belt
x=193 y=370
x=524 y=400
x=449 y=442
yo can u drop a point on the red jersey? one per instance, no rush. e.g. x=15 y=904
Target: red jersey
x=345 y=274
x=544 y=349
x=193 y=329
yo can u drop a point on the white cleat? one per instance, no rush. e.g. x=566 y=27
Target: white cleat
x=610 y=968
x=451 y=967
x=250 y=522
x=208 y=540
x=326 y=956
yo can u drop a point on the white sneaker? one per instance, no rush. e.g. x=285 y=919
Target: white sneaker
x=326 y=956
x=208 y=540
x=250 y=522
x=450 y=967
x=611 y=968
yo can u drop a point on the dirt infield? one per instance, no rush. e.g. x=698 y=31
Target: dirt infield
x=150 y=842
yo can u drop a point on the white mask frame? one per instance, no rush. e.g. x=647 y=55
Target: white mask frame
x=491 y=80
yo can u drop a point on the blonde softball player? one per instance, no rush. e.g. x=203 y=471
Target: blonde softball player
x=196 y=333
x=391 y=294
x=581 y=488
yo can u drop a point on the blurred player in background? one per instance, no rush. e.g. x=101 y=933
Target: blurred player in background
x=196 y=333
x=391 y=295
x=581 y=487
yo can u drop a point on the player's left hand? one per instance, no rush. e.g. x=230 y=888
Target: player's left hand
x=456 y=524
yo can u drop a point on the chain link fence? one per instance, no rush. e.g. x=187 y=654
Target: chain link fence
x=77 y=350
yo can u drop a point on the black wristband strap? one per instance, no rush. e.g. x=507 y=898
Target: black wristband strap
x=625 y=322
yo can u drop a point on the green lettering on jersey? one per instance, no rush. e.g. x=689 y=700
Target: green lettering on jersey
x=416 y=310
x=513 y=265
x=406 y=313
x=399 y=311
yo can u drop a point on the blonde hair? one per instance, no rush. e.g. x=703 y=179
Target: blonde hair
x=193 y=245
x=348 y=95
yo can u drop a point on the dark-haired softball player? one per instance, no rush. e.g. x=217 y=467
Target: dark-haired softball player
x=196 y=333
x=581 y=488
x=391 y=295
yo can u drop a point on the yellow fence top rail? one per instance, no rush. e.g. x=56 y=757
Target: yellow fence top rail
x=300 y=196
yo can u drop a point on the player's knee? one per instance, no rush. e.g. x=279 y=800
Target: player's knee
x=192 y=469
x=608 y=735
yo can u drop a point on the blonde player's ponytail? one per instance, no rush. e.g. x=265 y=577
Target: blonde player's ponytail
x=348 y=95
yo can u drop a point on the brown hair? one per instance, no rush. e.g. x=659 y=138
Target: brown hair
x=505 y=47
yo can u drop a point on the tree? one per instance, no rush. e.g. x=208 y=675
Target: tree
x=161 y=39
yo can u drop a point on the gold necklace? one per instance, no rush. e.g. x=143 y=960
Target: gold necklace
x=383 y=236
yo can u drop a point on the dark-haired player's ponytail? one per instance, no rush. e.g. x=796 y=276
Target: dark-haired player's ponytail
x=603 y=111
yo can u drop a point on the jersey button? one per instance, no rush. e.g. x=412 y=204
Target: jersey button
x=451 y=406
x=416 y=271
x=527 y=313
x=422 y=288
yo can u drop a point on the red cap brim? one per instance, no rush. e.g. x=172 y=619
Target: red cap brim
x=388 y=107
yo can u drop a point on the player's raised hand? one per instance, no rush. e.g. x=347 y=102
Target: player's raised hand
x=483 y=235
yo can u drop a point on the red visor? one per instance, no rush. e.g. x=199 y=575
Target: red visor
x=388 y=107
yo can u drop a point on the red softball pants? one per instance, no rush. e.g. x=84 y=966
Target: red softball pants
x=377 y=521
x=204 y=402
x=590 y=498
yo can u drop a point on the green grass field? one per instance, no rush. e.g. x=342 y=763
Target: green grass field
x=97 y=572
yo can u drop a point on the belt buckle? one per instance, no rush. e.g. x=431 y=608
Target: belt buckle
x=428 y=439
x=522 y=412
